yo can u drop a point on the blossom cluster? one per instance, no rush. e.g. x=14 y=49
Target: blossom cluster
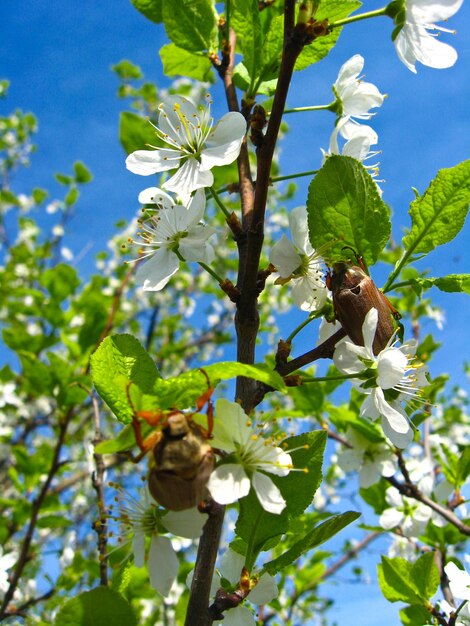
x=193 y=145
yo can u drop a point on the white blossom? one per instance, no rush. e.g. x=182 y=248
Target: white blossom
x=412 y=40
x=298 y=262
x=193 y=145
x=141 y=519
x=372 y=460
x=354 y=97
x=412 y=516
x=6 y=562
x=173 y=232
x=391 y=369
x=249 y=457
x=459 y=581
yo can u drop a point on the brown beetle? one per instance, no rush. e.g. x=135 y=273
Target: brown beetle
x=182 y=459
x=354 y=294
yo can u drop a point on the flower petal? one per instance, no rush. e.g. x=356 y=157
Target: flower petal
x=369 y=327
x=285 y=257
x=228 y=483
x=298 y=224
x=157 y=271
x=146 y=162
x=138 y=549
x=395 y=423
x=224 y=141
x=187 y=523
x=308 y=294
x=265 y=591
x=155 y=195
x=268 y=494
x=162 y=564
x=391 y=367
x=189 y=177
x=239 y=616
x=231 y=565
x=391 y=518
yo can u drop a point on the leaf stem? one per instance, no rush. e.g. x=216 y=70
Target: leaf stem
x=318 y=107
x=322 y=379
x=278 y=179
x=361 y=16
x=219 y=202
x=396 y=271
x=210 y=271
x=296 y=331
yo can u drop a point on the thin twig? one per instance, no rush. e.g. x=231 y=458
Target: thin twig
x=97 y=479
x=35 y=508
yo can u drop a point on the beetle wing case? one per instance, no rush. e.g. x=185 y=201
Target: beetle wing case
x=354 y=294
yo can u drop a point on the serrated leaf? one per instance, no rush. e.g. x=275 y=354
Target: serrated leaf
x=451 y=283
x=396 y=582
x=92 y=608
x=298 y=488
x=463 y=467
x=439 y=214
x=345 y=209
x=425 y=576
x=82 y=173
x=124 y=441
x=190 y=25
x=314 y=538
x=118 y=361
x=152 y=9
x=261 y=372
x=332 y=10
x=414 y=615
x=245 y=21
x=179 y=62
x=256 y=526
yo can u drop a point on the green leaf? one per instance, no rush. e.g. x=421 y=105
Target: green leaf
x=63 y=179
x=312 y=539
x=98 y=607
x=60 y=281
x=298 y=488
x=126 y=70
x=36 y=374
x=72 y=197
x=245 y=20
x=136 y=133
x=179 y=62
x=82 y=173
x=124 y=441
x=118 y=361
x=396 y=582
x=345 y=209
x=463 y=467
x=39 y=195
x=261 y=372
x=414 y=615
x=425 y=576
x=256 y=526
x=451 y=283
x=54 y=521
x=332 y=10
x=439 y=214
x=152 y=9
x=191 y=25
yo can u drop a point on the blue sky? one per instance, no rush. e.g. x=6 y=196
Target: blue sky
x=58 y=57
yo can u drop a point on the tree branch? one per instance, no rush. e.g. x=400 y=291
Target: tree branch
x=35 y=508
